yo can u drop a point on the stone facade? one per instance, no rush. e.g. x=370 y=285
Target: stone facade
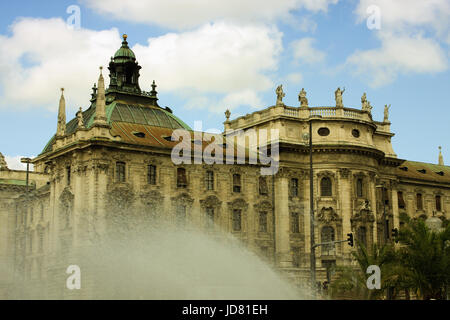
x=96 y=167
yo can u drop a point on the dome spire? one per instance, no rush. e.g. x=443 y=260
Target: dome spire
x=441 y=158
x=100 y=111
x=61 y=128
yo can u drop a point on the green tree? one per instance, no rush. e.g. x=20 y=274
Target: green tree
x=423 y=259
x=352 y=281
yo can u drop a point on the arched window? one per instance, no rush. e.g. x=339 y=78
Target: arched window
x=361 y=235
x=325 y=187
x=327 y=235
x=359 y=187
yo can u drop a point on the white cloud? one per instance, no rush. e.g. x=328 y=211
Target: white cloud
x=219 y=58
x=42 y=55
x=408 y=15
x=15 y=164
x=304 y=51
x=398 y=55
x=181 y=14
x=294 y=78
x=412 y=34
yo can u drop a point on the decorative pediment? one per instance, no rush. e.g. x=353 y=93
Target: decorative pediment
x=238 y=204
x=344 y=172
x=327 y=173
x=263 y=206
x=121 y=196
x=183 y=199
x=363 y=213
x=66 y=196
x=328 y=215
x=153 y=196
x=210 y=202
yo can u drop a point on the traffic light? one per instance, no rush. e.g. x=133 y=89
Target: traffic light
x=395 y=234
x=350 y=239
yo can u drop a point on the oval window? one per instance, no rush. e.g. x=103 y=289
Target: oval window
x=355 y=133
x=323 y=132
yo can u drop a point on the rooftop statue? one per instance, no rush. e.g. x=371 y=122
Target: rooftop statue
x=228 y=114
x=280 y=95
x=386 y=113
x=80 y=118
x=338 y=96
x=3 y=164
x=302 y=98
x=364 y=103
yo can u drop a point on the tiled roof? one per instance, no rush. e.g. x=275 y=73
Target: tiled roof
x=126 y=113
x=424 y=171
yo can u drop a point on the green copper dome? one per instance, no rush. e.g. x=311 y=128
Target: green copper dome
x=124 y=52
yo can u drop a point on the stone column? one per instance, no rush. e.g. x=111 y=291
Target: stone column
x=373 y=205
x=283 y=254
x=345 y=197
x=395 y=205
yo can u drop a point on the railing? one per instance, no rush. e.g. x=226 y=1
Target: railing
x=323 y=111
x=292 y=112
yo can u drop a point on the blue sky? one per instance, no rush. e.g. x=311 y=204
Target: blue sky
x=207 y=56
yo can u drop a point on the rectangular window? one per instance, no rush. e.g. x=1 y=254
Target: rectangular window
x=120 y=171
x=237 y=226
x=295 y=223
x=151 y=174
x=438 y=203
x=41 y=241
x=209 y=180
x=401 y=201
x=181 y=215
x=419 y=201
x=263 y=221
x=263 y=190
x=295 y=257
x=236 y=183
x=69 y=177
x=209 y=218
x=181 y=178
x=293 y=188
x=264 y=251
x=359 y=188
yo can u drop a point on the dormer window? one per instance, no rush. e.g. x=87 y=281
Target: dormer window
x=404 y=168
x=422 y=171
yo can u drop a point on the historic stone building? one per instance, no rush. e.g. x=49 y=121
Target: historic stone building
x=115 y=158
